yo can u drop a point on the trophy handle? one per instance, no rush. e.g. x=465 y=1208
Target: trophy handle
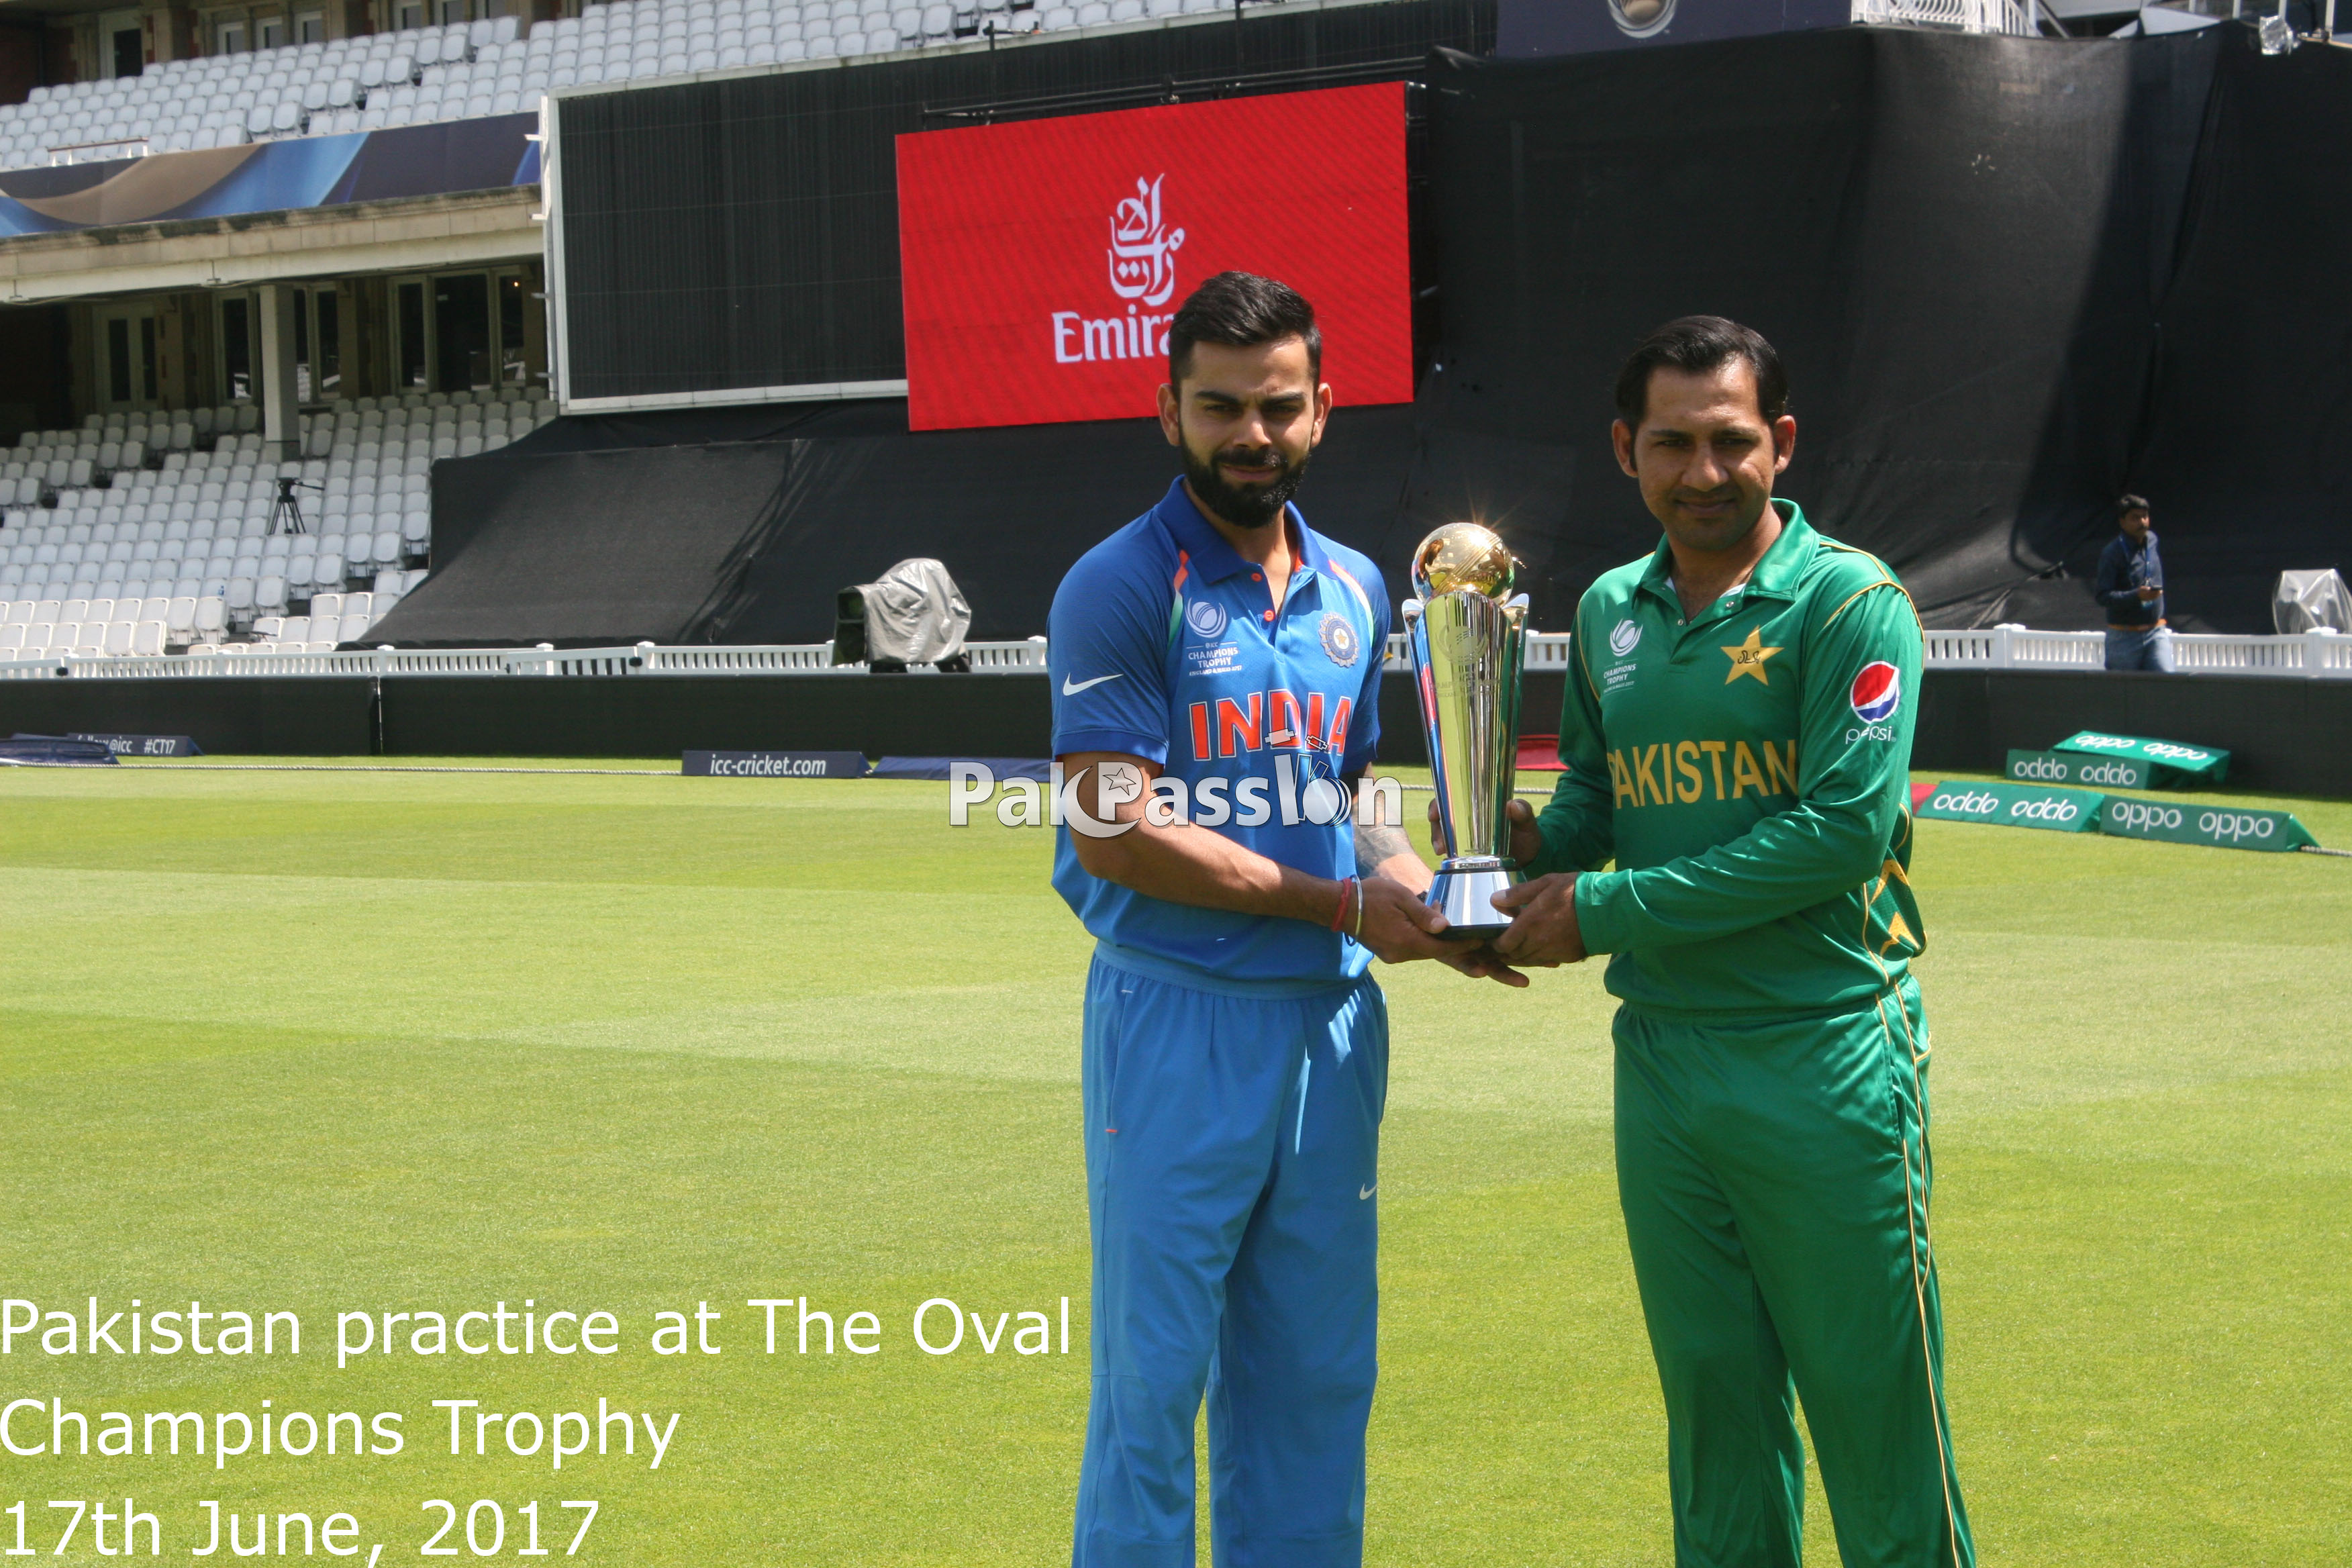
x=1507 y=718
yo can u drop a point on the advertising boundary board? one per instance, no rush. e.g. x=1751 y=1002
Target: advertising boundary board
x=2072 y=768
x=2173 y=762
x=2212 y=825
x=2015 y=806
x=2287 y=736
x=144 y=745
x=772 y=765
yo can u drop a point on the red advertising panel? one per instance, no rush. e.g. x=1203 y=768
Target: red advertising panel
x=1044 y=261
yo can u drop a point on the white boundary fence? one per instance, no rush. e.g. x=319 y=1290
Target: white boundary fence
x=643 y=658
x=2320 y=656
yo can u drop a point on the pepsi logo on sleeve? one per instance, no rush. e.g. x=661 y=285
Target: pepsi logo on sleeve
x=1877 y=693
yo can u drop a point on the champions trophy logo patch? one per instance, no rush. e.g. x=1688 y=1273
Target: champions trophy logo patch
x=1339 y=640
x=1142 y=248
x=1877 y=693
x=1624 y=639
x=1206 y=617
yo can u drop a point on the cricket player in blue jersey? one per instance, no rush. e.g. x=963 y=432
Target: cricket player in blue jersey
x=1216 y=667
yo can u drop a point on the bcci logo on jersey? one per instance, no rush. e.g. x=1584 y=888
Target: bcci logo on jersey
x=1341 y=643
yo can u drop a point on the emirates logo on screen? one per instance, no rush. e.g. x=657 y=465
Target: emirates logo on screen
x=1142 y=249
x=1041 y=262
x=1142 y=259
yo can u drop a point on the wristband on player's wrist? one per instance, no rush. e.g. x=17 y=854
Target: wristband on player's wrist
x=1350 y=892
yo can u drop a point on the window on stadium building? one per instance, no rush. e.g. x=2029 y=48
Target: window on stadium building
x=409 y=332
x=514 y=344
x=461 y=328
x=463 y=332
x=239 y=357
x=127 y=346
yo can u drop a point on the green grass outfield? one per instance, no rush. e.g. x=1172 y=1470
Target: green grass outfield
x=349 y=1040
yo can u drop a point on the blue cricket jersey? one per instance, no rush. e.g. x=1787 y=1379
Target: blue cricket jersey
x=1166 y=645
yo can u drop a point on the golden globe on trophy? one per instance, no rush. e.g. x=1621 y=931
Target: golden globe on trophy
x=1468 y=634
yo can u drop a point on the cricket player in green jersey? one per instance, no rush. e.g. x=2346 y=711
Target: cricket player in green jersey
x=1737 y=735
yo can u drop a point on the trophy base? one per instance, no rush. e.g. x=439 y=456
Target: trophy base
x=1464 y=891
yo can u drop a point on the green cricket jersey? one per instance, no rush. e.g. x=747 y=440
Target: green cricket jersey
x=1748 y=773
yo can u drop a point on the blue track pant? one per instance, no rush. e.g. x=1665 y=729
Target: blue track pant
x=1232 y=1147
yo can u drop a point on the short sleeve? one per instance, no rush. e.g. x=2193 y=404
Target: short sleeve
x=1364 y=723
x=1107 y=657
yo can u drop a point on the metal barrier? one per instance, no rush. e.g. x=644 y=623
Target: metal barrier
x=2010 y=16
x=2318 y=655
x=1546 y=650
x=810 y=658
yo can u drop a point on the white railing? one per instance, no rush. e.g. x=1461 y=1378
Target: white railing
x=817 y=659
x=1967 y=15
x=806 y=658
x=1546 y=650
x=642 y=659
x=2319 y=656
x=100 y=152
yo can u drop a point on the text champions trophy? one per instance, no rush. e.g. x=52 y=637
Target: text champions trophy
x=1468 y=635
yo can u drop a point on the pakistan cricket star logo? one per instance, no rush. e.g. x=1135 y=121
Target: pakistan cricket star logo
x=1747 y=658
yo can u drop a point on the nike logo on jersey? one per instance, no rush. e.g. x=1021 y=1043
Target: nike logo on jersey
x=1367 y=1191
x=1072 y=688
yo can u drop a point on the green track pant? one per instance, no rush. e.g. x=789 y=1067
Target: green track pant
x=1774 y=1177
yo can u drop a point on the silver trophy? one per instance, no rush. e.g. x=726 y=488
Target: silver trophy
x=1468 y=634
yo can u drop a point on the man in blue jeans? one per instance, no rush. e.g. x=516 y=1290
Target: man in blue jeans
x=2131 y=590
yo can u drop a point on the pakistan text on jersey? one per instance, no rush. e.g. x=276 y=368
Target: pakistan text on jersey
x=1682 y=772
x=1276 y=718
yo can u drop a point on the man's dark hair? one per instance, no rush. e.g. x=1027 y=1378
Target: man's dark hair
x=1697 y=345
x=2128 y=503
x=1240 y=309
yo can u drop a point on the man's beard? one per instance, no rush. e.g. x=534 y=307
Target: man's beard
x=1243 y=505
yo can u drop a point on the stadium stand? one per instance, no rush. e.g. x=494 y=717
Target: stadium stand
x=141 y=533
x=473 y=70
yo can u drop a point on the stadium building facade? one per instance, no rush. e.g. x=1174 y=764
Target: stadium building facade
x=309 y=241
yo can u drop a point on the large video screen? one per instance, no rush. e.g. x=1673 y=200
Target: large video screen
x=1043 y=261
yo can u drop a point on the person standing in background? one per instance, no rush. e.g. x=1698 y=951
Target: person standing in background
x=2131 y=590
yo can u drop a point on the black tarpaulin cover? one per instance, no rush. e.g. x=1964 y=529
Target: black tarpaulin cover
x=745 y=533
x=2011 y=277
